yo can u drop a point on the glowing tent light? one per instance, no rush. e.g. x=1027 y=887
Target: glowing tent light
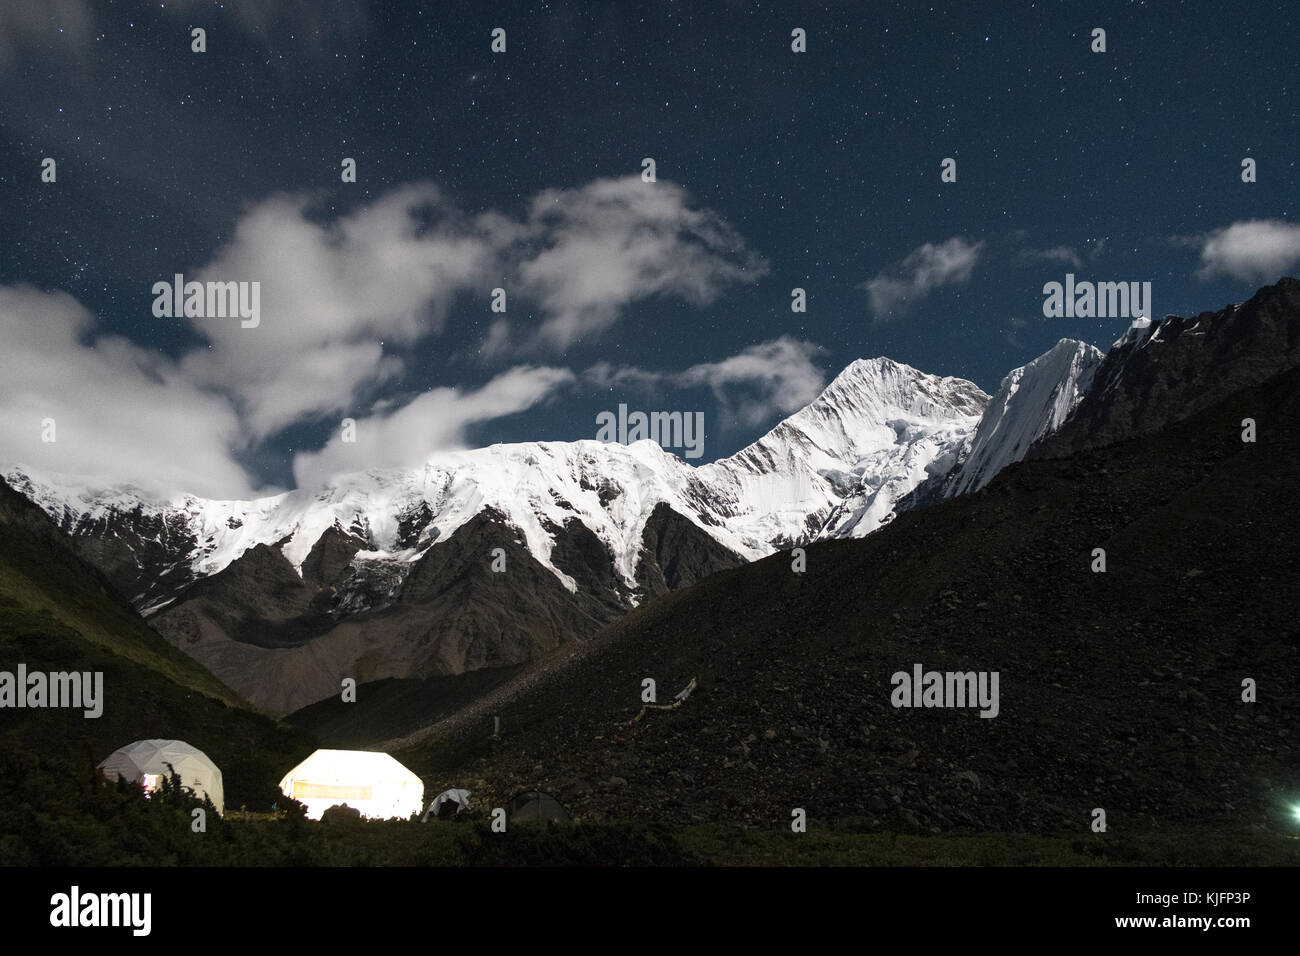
x=374 y=783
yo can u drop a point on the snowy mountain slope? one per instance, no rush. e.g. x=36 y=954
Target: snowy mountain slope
x=398 y=514
x=387 y=573
x=1032 y=401
x=878 y=425
x=869 y=437
x=893 y=474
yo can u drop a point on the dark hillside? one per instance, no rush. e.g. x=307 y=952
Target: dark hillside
x=1119 y=690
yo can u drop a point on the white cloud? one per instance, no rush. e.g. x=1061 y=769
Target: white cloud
x=120 y=412
x=774 y=377
x=766 y=379
x=344 y=302
x=434 y=421
x=330 y=294
x=32 y=29
x=388 y=272
x=1077 y=257
x=591 y=251
x=923 y=270
x=1252 y=250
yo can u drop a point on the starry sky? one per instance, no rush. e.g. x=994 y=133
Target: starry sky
x=522 y=170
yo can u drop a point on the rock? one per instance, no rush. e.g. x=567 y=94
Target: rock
x=341 y=813
x=907 y=759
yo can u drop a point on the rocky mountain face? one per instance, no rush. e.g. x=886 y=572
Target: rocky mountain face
x=1073 y=397
x=396 y=574
x=284 y=641
x=1160 y=372
x=1032 y=402
x=1120 y=690
x=495 y=556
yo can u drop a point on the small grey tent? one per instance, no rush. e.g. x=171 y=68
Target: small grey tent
x=535 y=806
x=449 y=803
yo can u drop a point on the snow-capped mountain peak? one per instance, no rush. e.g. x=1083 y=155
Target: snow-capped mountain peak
x=876 y=431
x=1032 y=401
x=869 y=438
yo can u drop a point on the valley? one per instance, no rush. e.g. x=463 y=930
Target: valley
x=1084 y=689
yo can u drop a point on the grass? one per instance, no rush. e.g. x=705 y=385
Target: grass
x=53 y=815
x=252 y=750
x=276 y=840
x=736 y=846
x=53 y=594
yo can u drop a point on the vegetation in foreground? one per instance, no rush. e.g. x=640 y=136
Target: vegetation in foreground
x=54 y=819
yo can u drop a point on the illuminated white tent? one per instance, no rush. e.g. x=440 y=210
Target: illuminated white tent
x=373 y=783
x=146 y=762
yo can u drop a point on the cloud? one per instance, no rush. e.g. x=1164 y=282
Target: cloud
x=1077 y=257
x=343 y=302
x=339 y=302
x=924 y=269
x=1065 y=254
x=32 y=29
x=1253 y=250
x=590 y=251
x=774 y=377
x=434 y=421
x=607 y=375
x=119 y=411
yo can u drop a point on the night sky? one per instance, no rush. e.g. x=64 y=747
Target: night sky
x=521 y=170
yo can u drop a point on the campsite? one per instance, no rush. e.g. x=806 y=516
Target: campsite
x=634 y=444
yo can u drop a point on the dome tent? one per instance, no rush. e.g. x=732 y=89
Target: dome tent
x=449 y=803
x=534 y=806
x=374 y=783
x=147 y=762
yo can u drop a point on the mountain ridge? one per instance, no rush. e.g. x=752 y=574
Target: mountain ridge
x=806 y=460
x=1119 y=690
x=283 y=597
